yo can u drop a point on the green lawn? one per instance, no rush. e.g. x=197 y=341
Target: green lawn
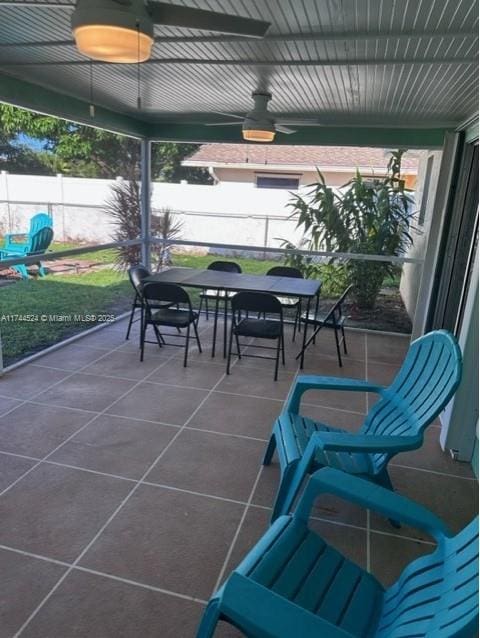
x=40 y=312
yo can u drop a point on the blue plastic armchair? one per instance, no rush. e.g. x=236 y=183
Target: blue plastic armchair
x=35 y=242
x=423 y=386
x=293 y=584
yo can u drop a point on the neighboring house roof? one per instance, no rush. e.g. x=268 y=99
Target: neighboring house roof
x=334 y=158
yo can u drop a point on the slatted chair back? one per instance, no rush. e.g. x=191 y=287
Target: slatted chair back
x=425 y=383
x=225 y=266
x=40 y=240
x=436 y=595
x=261 y=302
x=137 y=274
x=39 y=221
x=285 y=271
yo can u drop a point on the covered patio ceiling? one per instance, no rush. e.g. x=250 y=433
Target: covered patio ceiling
x=373 y=72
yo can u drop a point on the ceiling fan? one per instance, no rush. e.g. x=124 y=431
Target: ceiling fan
x=122 y=31
x=259 y=125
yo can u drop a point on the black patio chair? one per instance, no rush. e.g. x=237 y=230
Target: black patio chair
x=137 y=275
x=267 y=328
x=179 y=318
x=289 y=303
x=217 y=296
x=334 y=319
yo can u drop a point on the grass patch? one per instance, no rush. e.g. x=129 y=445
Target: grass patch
x=43 y=300
x=99 y=256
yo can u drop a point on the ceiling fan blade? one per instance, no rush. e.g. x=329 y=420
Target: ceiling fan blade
x=176 y=16
x=34 y=5
x=298 y=121
x=237 y=117
x=223 y=123
x=284 y=129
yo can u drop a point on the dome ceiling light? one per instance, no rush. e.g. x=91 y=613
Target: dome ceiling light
x=121 y=31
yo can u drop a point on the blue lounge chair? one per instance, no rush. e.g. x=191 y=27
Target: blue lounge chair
x=293 y=584
x=423 y=386
x=36 y=242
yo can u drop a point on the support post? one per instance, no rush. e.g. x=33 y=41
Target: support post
x=145 y=185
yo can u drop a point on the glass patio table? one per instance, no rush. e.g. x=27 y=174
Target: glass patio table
x=239 y=282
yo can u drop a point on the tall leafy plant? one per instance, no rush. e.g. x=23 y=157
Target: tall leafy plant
x=367 y=216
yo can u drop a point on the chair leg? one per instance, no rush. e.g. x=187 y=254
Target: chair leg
x=384 y=480
x=41 y=269
x=344 y=341
x=285 y=494
x=142 y=338
x=225 y=321
x=277 y=358
x=210 y=618
x=187 y=345
x=215 y=325
x=296 y=323
x=337 y=344
x=239 y=354
x=229 y=356
x=158 y=335
x=272 y=444
x=22 y=270
x=197 y=337
x=130 y=321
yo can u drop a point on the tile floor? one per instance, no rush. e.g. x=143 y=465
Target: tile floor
x=128 y=490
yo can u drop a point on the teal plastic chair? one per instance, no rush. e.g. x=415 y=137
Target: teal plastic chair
x=423 y=386
x=292 y=583
x=37 y=241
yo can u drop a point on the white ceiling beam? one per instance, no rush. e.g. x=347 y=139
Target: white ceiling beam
x=260 y=63
x=279 y=37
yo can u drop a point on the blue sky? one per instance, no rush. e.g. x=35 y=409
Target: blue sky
x=34 y=144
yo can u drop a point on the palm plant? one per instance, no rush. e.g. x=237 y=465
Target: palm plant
x=124 y=208
x=167 y=228
x=370 y=217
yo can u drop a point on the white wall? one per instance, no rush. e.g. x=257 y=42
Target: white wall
x=412 y=273
x=226 y=213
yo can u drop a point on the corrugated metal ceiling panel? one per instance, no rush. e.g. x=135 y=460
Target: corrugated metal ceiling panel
x=425 y=73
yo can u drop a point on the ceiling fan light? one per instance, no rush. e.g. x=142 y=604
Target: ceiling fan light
x=254 y=135
x=113 y=31
x=110 y=43
x=258 y=128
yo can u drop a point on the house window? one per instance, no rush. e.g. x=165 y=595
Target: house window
x=277 y=181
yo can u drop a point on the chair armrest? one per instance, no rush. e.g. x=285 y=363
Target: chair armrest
x=371 y=496
x=338 y=442
x=261 y=613
x=314 y=382
x=8 y=237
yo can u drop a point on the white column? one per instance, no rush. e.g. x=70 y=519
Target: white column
x=145 y=183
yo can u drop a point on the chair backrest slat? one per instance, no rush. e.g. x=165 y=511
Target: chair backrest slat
x=39 y=221
x=437 y=594
x=40 y=240
x=423 y=386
